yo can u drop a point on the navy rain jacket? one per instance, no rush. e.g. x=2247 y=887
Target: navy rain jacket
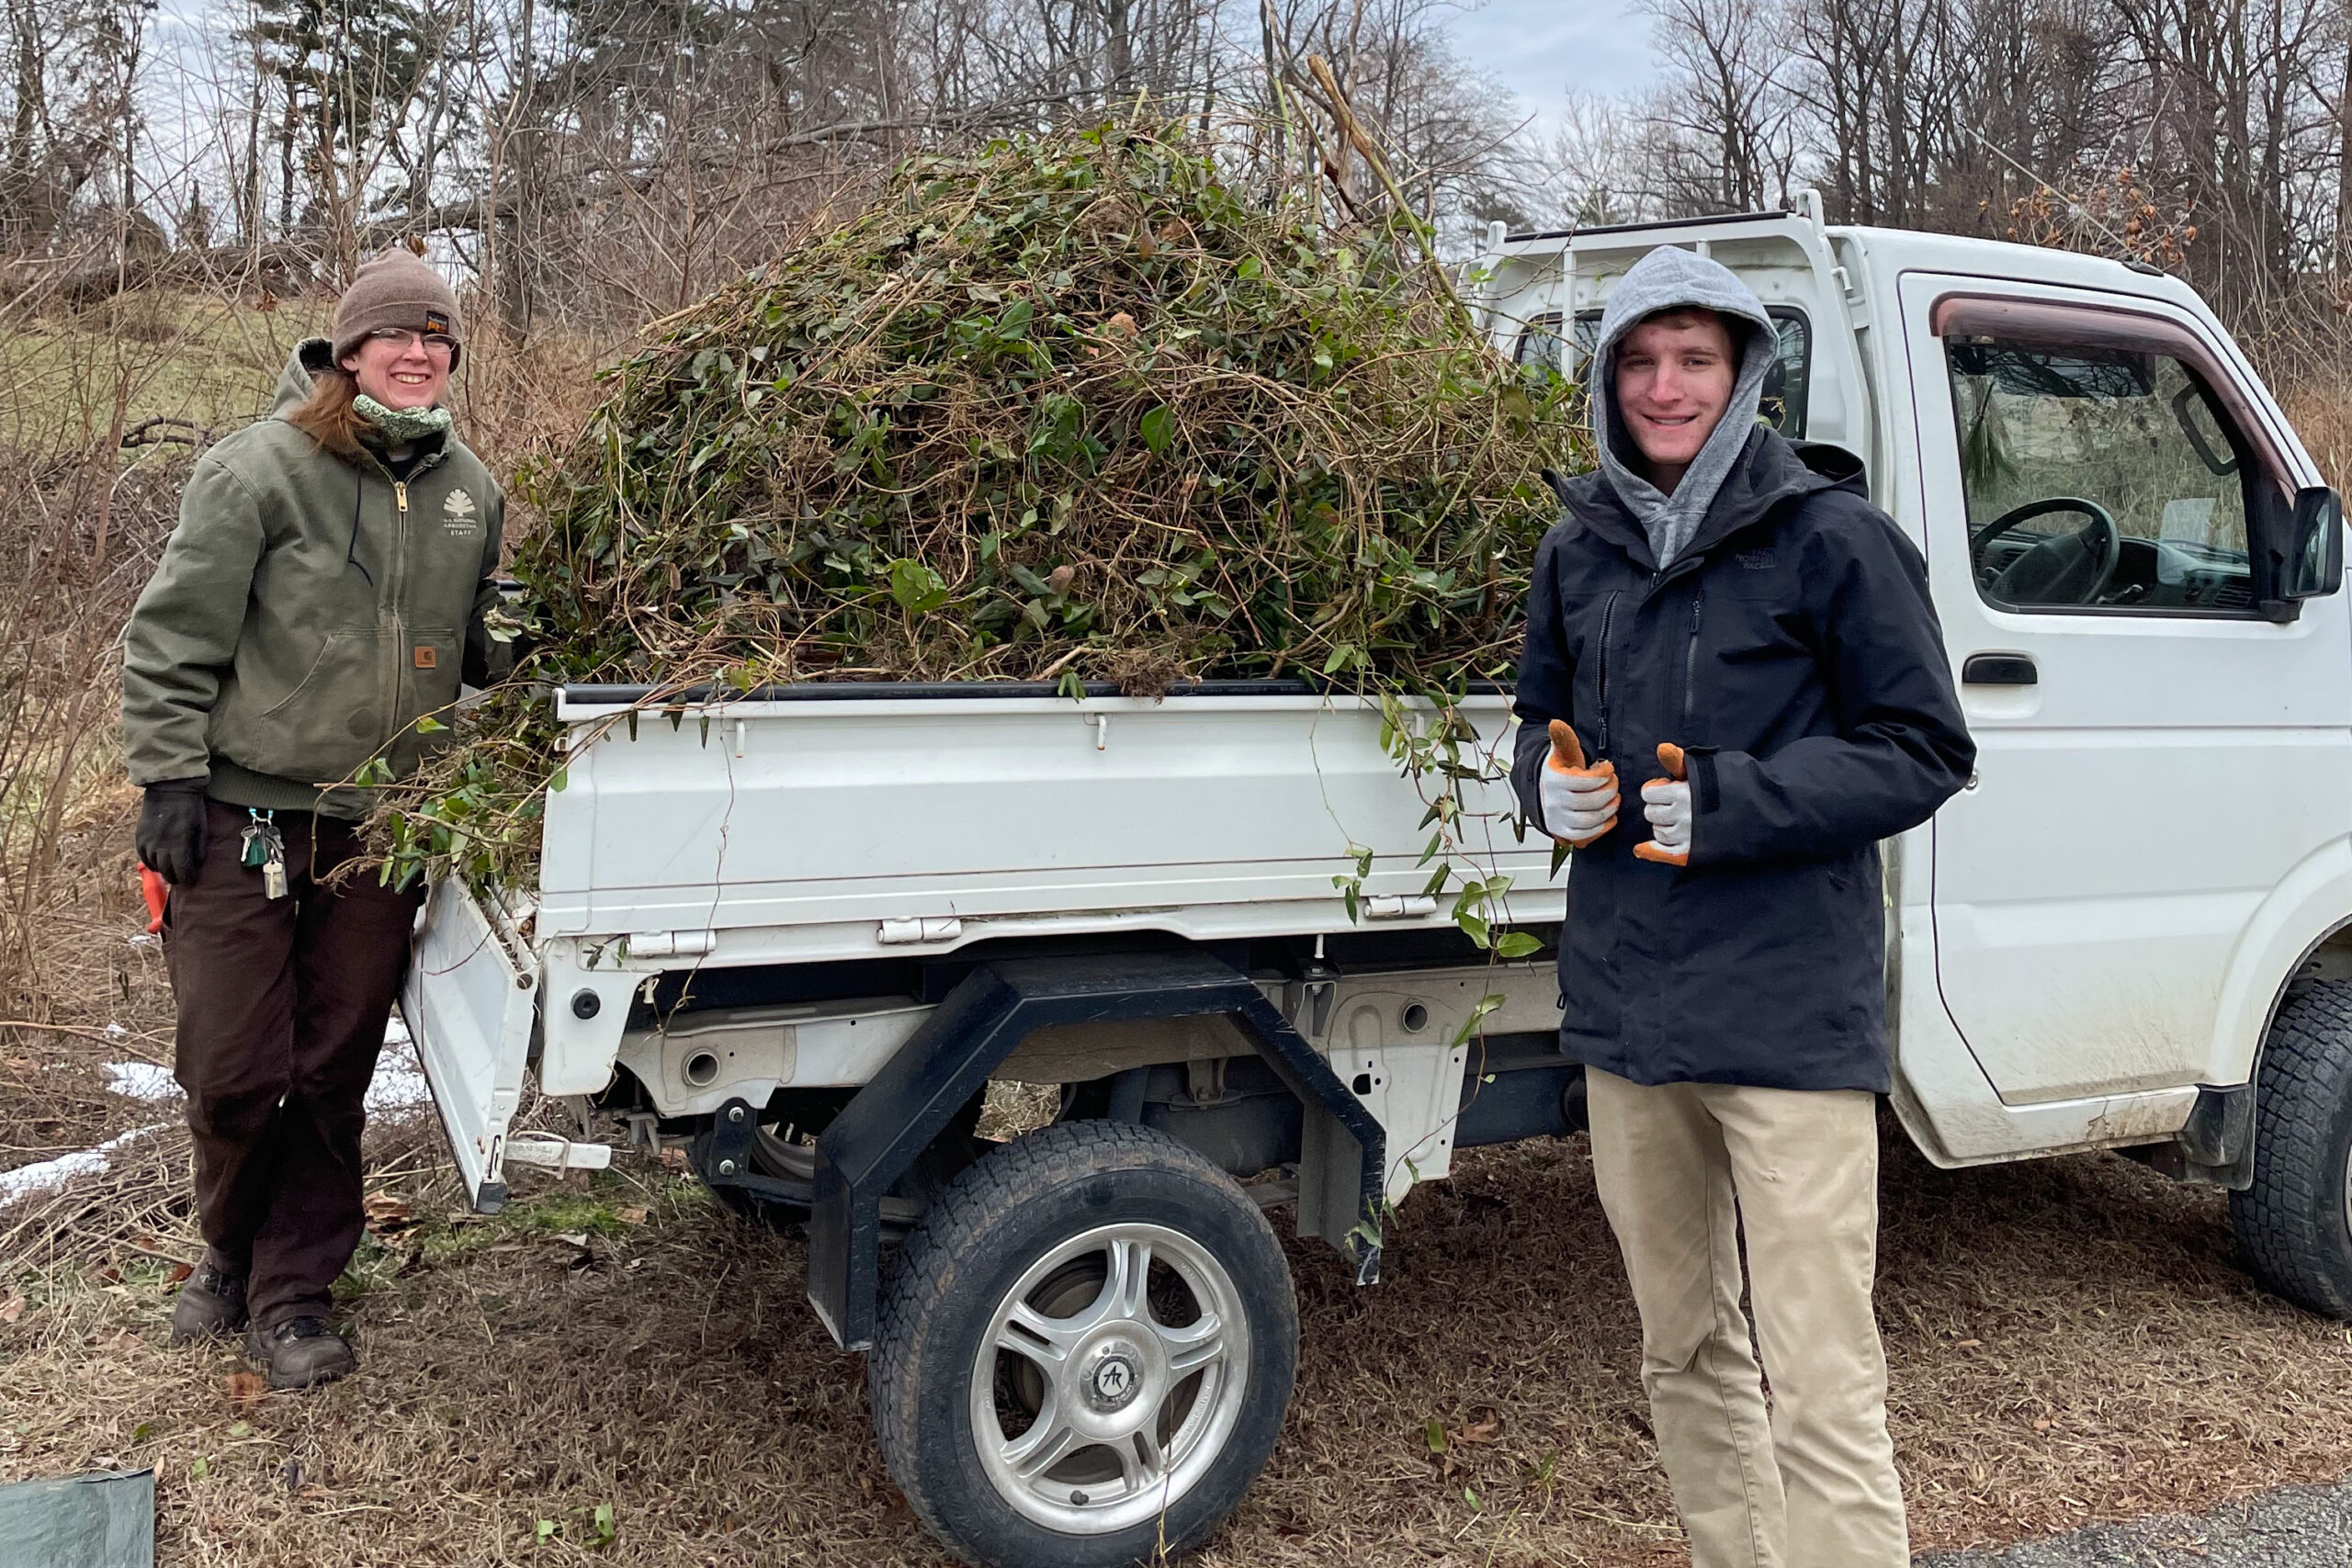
x=1793 y=649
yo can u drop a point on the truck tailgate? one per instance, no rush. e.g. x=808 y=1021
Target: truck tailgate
x=470 y=1005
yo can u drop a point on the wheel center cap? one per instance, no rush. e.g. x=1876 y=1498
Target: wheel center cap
x=1116 y=1376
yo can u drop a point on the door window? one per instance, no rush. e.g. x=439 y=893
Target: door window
x=2099 y=476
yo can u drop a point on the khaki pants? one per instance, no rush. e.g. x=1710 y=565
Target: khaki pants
x=1681 y=1167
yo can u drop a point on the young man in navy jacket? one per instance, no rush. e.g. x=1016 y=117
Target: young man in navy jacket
x=1723 y=627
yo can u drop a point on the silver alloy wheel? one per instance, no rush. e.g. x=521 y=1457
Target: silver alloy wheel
x=1126 y=1412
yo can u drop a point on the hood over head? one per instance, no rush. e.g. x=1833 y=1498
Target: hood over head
x=1666 y=278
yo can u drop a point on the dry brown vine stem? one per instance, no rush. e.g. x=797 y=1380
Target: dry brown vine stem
x=1344 y=113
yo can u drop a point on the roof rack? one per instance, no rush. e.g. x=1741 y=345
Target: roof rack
x=1655 y=223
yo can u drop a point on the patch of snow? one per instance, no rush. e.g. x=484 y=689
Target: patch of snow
x=398 y=1088
x=141 y=1080
x=399 y=1085
x=46 y=1174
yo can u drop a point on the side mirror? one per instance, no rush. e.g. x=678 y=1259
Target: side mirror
x=2312 y=565
x=2307 y=561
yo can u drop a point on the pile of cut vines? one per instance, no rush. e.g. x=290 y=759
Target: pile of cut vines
x=1062 y=409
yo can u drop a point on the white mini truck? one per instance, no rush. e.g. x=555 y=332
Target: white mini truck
x=799 y=930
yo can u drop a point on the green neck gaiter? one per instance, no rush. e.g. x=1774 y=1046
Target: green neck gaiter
x=401 y=426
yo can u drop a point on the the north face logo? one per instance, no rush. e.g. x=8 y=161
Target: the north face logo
x=458 y=514
x=1754 y=560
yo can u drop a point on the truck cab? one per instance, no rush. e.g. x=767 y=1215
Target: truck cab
x=2137 y=567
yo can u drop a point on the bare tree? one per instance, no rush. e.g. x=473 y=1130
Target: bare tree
x=1731 y=120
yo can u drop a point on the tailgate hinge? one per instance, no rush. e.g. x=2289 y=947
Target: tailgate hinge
x=928 y=928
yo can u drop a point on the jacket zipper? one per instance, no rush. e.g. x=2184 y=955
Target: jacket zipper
x=396 y=582
x=401 y=655
x=1608 y=614
x=1691 y=666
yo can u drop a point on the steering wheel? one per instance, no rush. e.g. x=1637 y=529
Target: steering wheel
x=2071 y=569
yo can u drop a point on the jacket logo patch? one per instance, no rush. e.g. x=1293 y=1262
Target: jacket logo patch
x=458 y=515
x=1755 y=561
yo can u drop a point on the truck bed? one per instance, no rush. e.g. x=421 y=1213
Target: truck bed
x=819 y=826
x=839 y=823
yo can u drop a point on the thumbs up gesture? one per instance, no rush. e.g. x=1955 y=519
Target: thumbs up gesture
x=1666 y=803
x=1579 y=803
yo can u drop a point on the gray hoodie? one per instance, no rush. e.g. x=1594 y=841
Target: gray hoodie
x=1661 y=280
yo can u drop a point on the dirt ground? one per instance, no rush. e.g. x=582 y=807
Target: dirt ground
x=2071 y=1341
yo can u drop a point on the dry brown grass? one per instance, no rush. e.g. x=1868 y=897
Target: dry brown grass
x=2071 y=1341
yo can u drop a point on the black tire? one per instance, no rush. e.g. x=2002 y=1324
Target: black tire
x=2293 y=1222
x=1008 y=1216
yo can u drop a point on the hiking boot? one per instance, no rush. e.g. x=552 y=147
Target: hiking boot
x=299 y=1352
x=213 y=1301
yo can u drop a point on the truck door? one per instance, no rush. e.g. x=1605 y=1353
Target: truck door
x=2156 y=756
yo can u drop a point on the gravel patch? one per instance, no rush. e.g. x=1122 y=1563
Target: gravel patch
x=2295 y=1527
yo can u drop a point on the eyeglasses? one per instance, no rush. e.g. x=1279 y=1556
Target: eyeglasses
x=441 y=346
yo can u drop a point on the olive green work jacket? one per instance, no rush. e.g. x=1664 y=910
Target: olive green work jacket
x=308 y=611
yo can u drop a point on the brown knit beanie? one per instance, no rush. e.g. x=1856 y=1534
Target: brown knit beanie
x=395 y=289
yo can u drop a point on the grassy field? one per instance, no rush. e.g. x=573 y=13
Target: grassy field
x=180 y=356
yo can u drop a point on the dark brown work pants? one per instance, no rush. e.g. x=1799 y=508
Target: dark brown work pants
x=282 y=1007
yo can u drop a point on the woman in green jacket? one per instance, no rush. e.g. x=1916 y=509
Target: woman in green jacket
x=326 y=590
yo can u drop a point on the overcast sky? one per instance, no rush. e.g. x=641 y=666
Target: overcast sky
x=1540 y=49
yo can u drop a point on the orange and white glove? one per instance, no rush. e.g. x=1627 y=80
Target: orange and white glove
x=1666 y=803
x=1579 y=803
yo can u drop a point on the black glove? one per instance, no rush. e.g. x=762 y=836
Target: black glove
x=171 y=830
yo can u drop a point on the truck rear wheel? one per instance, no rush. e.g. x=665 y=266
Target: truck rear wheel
x=2295 y=1221
x=1085 y=1352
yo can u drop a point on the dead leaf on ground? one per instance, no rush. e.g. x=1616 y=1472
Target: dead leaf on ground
x=1484 y=1429
x=176 y=1273
x=673 y=1159
x=388 y=1215
x=12 y=1309
x=630 y=1215
x=245 y=1388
